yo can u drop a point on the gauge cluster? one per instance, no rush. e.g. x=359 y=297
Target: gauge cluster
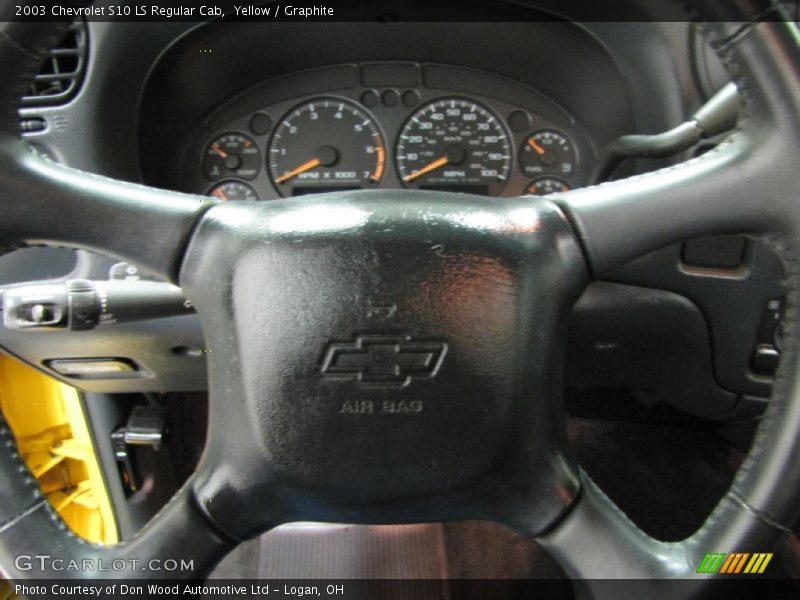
x=385 y=126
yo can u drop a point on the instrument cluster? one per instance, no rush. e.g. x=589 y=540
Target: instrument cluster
x=388 y=126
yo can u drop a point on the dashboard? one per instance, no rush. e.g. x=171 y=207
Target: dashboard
x=387 y=125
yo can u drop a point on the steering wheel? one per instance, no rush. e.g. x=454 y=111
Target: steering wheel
x=395 y=356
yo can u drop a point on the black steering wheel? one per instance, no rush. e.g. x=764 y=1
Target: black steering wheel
x=395 y=356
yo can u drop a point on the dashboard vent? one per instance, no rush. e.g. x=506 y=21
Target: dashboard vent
x=62 y=72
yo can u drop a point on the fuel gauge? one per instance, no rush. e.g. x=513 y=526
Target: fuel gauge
x=548 y=152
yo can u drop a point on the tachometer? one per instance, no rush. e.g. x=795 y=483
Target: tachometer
x=326 y=144
x=454 y=145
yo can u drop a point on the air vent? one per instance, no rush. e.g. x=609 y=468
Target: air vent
x=61 y=74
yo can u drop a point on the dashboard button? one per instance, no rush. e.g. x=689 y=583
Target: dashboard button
x=519 y=121
x=765 y=359
x=410 y=98
x=260 y=124
x=390 y=98
x=716 y=252
x=370 y=99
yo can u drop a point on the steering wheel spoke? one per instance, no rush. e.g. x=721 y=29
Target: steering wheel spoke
x=49 y=204
x=737 y=187
x=595 y=541
x=720 y=192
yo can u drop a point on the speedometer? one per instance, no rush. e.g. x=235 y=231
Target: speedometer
x=454 y=145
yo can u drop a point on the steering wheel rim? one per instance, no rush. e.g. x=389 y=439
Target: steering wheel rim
x=613 y=222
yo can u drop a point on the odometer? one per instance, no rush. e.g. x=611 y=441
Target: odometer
x=326 y=144
x=454 y=145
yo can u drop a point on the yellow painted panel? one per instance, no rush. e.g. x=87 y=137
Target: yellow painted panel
x=50 y=428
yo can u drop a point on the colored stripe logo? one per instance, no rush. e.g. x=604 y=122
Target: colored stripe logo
x=734 y=563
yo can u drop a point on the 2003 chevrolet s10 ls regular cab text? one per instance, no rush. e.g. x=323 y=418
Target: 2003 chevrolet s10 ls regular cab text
x=167 y=12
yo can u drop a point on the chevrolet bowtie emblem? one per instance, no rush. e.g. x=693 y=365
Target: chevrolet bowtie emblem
x=383 y=359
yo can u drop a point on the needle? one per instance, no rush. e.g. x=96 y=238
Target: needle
x=306 y=166
x=219 y=151
x=532 y=143
x=376 y=176
x=439 y=162
x=219 y=194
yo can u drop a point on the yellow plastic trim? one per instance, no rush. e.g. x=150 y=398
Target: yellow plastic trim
x=50 y=428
